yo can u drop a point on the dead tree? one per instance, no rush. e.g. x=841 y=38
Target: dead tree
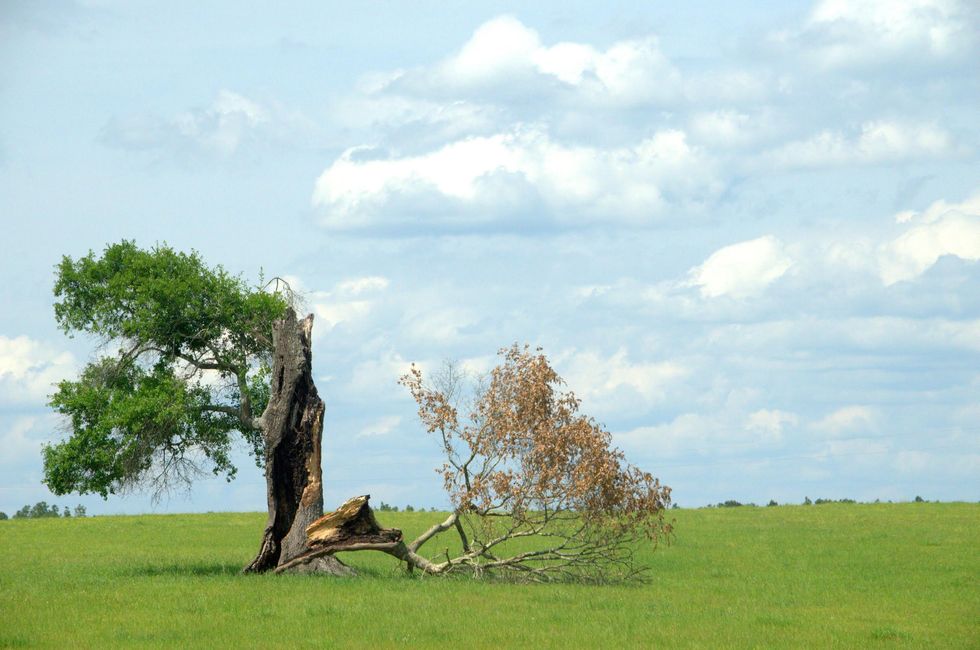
x=292 y=427
x=538 y=491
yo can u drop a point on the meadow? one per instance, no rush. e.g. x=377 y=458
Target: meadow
x=841 y=575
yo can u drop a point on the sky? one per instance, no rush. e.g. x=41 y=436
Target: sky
x=746 y=233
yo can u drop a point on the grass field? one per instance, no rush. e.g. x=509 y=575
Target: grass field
x=902 y=575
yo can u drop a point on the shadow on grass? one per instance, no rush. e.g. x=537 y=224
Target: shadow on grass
x=218 y=569
x=191 y=569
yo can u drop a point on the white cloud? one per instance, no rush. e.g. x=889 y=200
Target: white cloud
x=729 y=128
x=942 y=229
x=436 y=323
x=379 y=377
x=770 y=422
x=522 y=173
x=876 y=142
x=503 y=51
x=357 y=286
x=30 y=369
x=848 y=419
x=222 y=128
x=614 y=383
x=700 y=435
x=332 y=314
x=17 y=446
x=743 y=269
x=348 y=301
x=381 y=427
x=842 y=33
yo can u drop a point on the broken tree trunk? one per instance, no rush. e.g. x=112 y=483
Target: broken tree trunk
x=292 y=426
x=352 y=527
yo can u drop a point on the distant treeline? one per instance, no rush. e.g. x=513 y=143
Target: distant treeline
x=41 y=510
x=731 y=503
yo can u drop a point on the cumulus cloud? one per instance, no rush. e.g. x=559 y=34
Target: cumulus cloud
x=221 y=129
x=742 y=270
x=18 y=446
x=30 y=369
x=615 y=383
x=875 y=142
x=504 y=53
x=942 y=229
x=521 y=174
x=357 y=286
x=348 y=301
x=848 y=419
x=842 y=33
x=722 y=434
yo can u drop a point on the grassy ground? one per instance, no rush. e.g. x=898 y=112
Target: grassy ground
x=902 y=575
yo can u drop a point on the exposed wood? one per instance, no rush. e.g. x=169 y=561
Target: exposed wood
x=351 y=527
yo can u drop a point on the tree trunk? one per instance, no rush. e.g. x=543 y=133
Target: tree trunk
x=292 y=426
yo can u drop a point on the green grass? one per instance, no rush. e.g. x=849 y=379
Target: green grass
x=862 y=576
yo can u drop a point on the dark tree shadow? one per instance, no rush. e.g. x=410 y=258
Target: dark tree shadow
x=191 y=569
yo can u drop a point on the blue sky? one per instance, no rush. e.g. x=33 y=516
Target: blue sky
x=747 y=234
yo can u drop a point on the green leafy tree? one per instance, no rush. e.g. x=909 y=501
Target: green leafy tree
x=3 y=516
x=41 y=509
x=185 y=370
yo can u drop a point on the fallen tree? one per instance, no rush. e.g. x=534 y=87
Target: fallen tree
x=538 y=492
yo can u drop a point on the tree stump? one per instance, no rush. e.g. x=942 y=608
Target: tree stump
x=292 y=426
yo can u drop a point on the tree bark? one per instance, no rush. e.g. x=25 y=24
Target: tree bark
x=292 y=426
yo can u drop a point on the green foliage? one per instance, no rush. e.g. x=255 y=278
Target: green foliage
x=854 y=576
x=772 y=502
x=3 y=515
x=41 y=509
x=149 y=414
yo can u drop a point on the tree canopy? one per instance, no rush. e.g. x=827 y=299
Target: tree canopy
x=183 y=369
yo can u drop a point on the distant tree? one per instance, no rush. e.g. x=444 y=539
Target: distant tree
x=67 y=512
x=41 y=509
x=189 y=352
x=23 y=513
x=409 y=508
x=806 y=501
x=3 y=516
x=772 y=502
x=79 y=510
x=919 y=499
x=731 y=503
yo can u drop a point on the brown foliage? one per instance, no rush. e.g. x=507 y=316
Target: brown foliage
x=524 y=463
